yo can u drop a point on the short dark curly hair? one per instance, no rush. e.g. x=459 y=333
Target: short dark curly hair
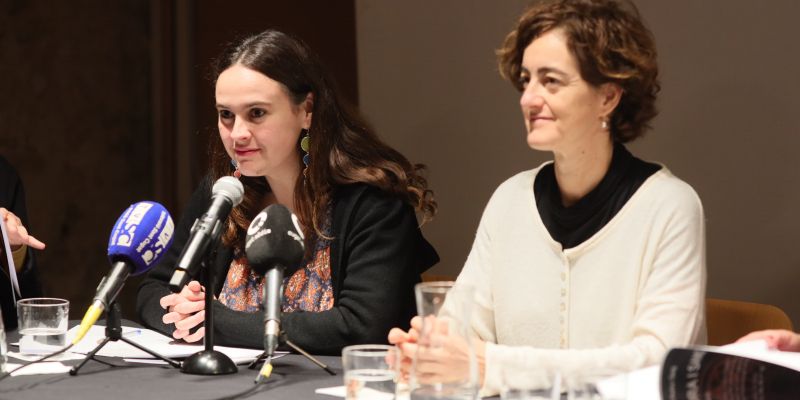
x=610 y=43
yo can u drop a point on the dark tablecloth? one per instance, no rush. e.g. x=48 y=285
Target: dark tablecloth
x=293 y=377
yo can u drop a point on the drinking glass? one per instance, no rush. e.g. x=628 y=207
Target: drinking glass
x=597 y=385
x=370 y=371
x=42 y=325
x=445 y=366
x=522 y=384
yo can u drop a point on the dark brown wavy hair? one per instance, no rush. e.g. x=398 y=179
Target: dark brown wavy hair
x=343 y=148
x=610 y=43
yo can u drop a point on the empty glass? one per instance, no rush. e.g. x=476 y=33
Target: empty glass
x=444 y=366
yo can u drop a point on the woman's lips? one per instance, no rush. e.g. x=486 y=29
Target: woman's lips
x=539 y=120
x=245 y=152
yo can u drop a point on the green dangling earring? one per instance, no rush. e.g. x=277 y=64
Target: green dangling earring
x=305 y=144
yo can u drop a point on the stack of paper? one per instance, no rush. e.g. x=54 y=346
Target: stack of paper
x=163 y=345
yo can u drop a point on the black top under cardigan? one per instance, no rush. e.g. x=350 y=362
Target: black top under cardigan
x=377 y=255
x=573 y=225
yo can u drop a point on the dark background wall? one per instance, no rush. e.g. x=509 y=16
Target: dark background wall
x=103 y=104
x=75 y=122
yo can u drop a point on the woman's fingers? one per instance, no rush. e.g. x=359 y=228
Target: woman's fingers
x=191 y=321
x=195 y=287
x=397 y=336
x=189 y=307
x=172 y=317
x=17 y=233
x=171 y=300
x=35 y=243
x=193 y=292
x=195 y=336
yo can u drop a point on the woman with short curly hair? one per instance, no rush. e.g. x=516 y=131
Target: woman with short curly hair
x=595 y=260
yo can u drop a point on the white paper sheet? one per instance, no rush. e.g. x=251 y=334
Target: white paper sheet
x=164 y=345
x=365 y=393
x=47 y=367
x=12 y=270
x=61 y=357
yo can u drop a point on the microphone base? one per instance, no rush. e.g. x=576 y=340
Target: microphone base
x=208 y=362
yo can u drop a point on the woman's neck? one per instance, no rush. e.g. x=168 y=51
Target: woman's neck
x=282 y=188
x=579 y=171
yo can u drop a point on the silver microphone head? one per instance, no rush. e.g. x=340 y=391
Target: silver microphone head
x=229 y=187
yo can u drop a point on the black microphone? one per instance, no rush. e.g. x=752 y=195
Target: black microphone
x=274 y=245
x=226 y=193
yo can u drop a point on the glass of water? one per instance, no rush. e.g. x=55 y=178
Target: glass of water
x=370 y=371
x=42 y=325
x=3 y=348
x=524 y=384
x=598 y=384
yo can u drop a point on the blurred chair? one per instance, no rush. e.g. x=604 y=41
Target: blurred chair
x=728 y=320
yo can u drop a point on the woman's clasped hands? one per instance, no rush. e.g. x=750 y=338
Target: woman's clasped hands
x=186 y=310
x=441 y=354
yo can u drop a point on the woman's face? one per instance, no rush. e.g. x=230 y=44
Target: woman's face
x=258 y=123
x=561 y=110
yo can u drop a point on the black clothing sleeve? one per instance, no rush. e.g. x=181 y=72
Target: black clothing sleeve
x=377 y=256
x=12 y=198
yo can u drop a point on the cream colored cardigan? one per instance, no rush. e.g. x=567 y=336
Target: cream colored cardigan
x=617 y=301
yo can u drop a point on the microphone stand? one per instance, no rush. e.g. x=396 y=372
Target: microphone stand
x=209 y=361
x=296 y=348
x=274 y=283
x=113 y=334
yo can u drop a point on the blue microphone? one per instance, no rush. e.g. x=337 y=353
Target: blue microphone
x=142 y=234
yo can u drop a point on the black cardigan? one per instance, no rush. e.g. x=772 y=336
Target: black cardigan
x=377 y=256
x=12 y=198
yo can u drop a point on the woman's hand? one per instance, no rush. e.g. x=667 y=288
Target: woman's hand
x=441 y=356
x=407 y=343
x=186 y=310
x=776 y=339
x=17 y=234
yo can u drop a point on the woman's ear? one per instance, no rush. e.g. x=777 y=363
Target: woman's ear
x=308 y=108
x=610 y=94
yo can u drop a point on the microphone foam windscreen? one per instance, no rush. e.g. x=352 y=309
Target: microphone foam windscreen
x=142 y=234
x=274 y=238
x=229 y=187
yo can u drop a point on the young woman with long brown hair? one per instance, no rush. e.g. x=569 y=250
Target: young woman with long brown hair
x=292 y=141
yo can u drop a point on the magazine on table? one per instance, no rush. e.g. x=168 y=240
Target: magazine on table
x=748 y=371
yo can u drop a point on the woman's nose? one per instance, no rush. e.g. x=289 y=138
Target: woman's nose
x=240 y=129
x=531 y=99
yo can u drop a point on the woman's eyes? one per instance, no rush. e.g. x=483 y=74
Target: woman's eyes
x=549 y=81
x=524 y=80
x=546 y=81
x=257 y=113
x=252 y=114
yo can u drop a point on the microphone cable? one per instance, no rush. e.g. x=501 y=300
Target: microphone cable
x=38 y=360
